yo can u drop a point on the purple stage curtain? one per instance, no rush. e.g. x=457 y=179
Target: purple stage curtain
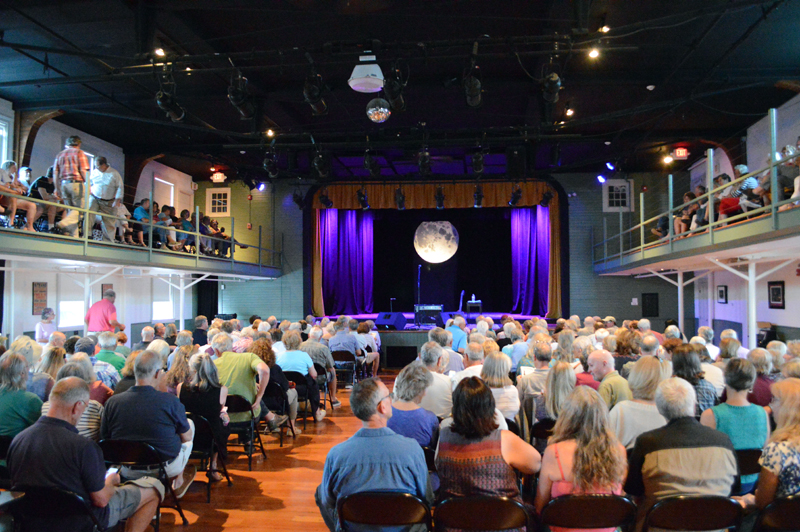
x=530 y=259
x=347 y=262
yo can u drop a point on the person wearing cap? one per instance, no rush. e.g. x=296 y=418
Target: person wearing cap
x=611 y=324
x=102 y=316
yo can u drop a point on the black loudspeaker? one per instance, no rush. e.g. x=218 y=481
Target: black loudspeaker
x=390 y=321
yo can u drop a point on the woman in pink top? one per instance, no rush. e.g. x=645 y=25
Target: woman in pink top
x=583 y=455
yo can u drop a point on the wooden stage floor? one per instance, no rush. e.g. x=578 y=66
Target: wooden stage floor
x=279 y=493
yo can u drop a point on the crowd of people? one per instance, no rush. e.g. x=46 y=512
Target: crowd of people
x=631 y=411
x=63 y=186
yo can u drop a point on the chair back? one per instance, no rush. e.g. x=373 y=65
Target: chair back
x=512 y=426
x=343 y=356
x=296 y=377
x=589 y=511
x=480 y=513
x=748 y=461
x=543 y=429
x=129 y=453
x=694 y=512
x=383 y=509
x=237 y=404
x=5 y=443
x=780 y=514
x=430 y=458
x=203 y=434
x=320 y=369
x=48 y=509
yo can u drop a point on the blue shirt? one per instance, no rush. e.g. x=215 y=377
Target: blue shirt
x=343 y=341
x=298 y=361
x=518 y=351
x=140 y=213
x=459 y=337
x=420 y=425
x=374 y=460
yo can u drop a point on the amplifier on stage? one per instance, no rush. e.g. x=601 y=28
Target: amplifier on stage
x=428 y=314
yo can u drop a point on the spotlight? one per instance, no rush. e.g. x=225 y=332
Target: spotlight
x=249 y=182
x=651 y=87
x=362 y=198
x=516 y=196
x=367 y=76
x=424 y=162
x=472 y=91
x=668 y=159
x=312 y=93
x=550 y=87
x=240 y=98
x=299 y=200
x=439 y=197
x=393 y=89
x=212 y=169
x=569 y=111
x=605 y=29
x=371 y=165
x=271 y=165
x=594 y=53
x=378 y=110
x=477 y=162
x=270 y=133
x=159 y=52
x=325 y=200
x=167 y=104
x=262 y=187
x=321 y=165
x=610 y=166
x=601 y=179
x=546 y=197
x=400 y=199
x=478 y=197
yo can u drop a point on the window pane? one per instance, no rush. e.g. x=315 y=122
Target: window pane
x=70 y=313
x=162 y=310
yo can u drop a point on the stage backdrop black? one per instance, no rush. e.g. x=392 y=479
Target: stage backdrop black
x=482 y=264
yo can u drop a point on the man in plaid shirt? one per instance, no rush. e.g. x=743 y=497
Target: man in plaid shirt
x=70 y=173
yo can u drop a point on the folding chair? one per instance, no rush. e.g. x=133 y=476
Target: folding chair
x=327 y=393
x=780 y=515
x=302 y=384
x=48 y=509
x=280 y=397
x=480 y=513
x=378 y=509
x=204 y=434
x=694 y=512
x=589 y=511
x=237 y=405
x=347 y=363
x=141 y=455
x=5 y=475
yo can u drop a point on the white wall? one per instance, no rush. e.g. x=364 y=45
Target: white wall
x=135 y=296
x=50 y=141
x=182 y=186
x=758 y=141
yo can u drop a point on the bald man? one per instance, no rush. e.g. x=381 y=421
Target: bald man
x=51 y=454
x=613 y=388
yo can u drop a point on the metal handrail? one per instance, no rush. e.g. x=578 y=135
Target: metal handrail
x=151 y=227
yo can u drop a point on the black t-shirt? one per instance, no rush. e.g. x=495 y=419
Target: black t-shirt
x=41 y=182
x=145 y=414
x=51 y=454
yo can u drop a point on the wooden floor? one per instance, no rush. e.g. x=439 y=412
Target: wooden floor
x=279 y=493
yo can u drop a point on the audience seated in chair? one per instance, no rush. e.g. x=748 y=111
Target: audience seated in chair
x=630 y=418
x=408 y=417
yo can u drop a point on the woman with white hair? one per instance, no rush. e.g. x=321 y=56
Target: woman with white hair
x=90 y=421
x=38 y=382
x=97 y=390
x=408 y=418
x=629 y=419
x=161 y=347
x=496 y=367
x=19 y=409
x=759 y=393
x=46 y=327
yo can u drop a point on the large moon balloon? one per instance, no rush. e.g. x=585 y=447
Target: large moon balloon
x=436 y=241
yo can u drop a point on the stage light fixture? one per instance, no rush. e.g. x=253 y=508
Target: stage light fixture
x=516 y=196
x=367 y=76
x=550 y=87
x=594 y=53
x=668 y=159
x=378 y=110
x=393 y=89
x=324 y=199
x=478 y=197
x=371 y=165
x=212 y=169
x=271 y=165
x=270 y=133
x=439 y=197
x=249 y=182
x=322 y=165
x=312 y=93
x=610 y=166
x=472 y=91
x=362 y=198
x=240 y=98
x=424 y=162
x=299 y=200
x=605 y=29
x=477 y=162
x=262 y=187
x=601 y=178
x=167 y=103
x=400 y=199
x=569 y=111
x=159 y=52
x=546 y=197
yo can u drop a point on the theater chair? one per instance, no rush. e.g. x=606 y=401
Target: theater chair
x=480 y=513
x=590 y=511
x=376 y=509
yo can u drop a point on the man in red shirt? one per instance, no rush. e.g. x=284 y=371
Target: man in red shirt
x=102 y=316
x=70 y=173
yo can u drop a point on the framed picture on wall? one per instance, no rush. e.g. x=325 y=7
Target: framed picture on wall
x=39 y=298
x=777 y=294
x=104 y=287
x=722 y=294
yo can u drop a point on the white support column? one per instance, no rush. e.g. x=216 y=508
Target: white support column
x=680 y=301
x=87 y=296
x=751 y=305
x=182 y=298
x=712 y=296
x=11 y=320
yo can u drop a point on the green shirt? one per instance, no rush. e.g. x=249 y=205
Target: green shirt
x=123 y=350
x=614 y=389
x=110 y=357
x=18 y=411
x=238 y=371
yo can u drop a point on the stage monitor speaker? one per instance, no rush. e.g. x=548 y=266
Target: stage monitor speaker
x=427 y=314
x=390 y=321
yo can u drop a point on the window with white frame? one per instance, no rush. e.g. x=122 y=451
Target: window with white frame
x=218 y=202
x=4 y=128
x=71 y=313
x=618 y=195
x=163 y=303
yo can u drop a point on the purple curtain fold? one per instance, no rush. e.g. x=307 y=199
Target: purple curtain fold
x=347 y=260
x=530 y=259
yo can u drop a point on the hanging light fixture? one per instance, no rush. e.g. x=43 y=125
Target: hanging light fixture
x=439 y=198
x=478 y=197
x=322 y=165
x=477 y=162
x=240 y=98
x=550 y=87
x=371 y=165
x=166 y=102
x=362 y=198
x=424 y=161
x=313 y=90
x=271 y=164
x=378 y=110
x=516 y=196
x=324 y=199
x=367 y=76
x=299 y=199
x=546 y=197
x=393 y=87
x=400 y=199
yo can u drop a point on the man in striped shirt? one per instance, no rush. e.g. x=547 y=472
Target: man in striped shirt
x=70 y=173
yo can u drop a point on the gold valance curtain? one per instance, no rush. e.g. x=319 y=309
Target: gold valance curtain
x=457 y=196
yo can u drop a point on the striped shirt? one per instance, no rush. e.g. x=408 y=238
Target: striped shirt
x=89 y=424
x=71 y=163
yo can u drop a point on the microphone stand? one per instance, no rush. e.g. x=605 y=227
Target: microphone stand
x=419 y=277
